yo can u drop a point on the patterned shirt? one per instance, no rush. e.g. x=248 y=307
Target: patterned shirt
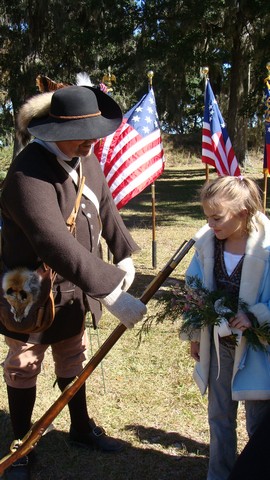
x=228 y=283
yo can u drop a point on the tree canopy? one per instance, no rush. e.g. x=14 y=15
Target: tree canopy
x=174 y=38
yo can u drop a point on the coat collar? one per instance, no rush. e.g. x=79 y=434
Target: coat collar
x=256 y=255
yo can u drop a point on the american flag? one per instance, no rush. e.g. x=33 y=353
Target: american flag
x=132 y=157
x=217 y=149
x=266 y=159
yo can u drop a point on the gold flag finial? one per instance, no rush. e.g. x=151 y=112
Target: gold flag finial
x=204 y=72
x=150 y=75
x=108 y=80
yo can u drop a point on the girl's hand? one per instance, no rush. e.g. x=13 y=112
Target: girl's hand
x=195 y=350
x=240 y=321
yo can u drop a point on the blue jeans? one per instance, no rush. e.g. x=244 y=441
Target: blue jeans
x=222 y=415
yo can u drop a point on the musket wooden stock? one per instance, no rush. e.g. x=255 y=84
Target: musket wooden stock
x=19 y=448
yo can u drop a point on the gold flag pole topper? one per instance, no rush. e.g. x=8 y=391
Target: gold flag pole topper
x=108 y=79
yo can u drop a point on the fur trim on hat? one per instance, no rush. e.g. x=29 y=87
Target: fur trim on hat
x=35 y=107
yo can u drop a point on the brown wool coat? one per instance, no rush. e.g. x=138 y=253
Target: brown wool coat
x=37 y=198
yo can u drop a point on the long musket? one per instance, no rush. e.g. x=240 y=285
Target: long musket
x=19 y=448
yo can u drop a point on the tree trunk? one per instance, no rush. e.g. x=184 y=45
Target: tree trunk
x=237 y=120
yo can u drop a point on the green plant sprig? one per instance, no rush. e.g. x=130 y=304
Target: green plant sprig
x=195 y=305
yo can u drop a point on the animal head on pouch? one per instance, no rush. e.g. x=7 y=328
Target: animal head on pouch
x=21 y=288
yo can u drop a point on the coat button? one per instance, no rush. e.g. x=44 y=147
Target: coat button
x=83 y=205
x=70 y=302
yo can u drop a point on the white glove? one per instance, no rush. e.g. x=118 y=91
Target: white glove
x=127 y=266
x=128 y=309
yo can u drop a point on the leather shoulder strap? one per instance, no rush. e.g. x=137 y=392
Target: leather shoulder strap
x=71 y=221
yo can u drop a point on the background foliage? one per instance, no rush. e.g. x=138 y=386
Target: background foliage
x=174 y=38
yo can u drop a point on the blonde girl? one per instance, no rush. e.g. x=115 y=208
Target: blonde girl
x=233 y=255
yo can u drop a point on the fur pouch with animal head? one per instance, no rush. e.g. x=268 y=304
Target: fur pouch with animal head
x=26 y=300
x=21 y=288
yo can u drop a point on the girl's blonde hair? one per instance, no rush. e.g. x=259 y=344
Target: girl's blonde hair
x=239 y=193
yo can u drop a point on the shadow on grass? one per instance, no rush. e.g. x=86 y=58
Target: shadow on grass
x=143 y=281
x=176 y=195
x=57 y=459
x=158 y=436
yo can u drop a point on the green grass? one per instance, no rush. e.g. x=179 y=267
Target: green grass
x=142 y=392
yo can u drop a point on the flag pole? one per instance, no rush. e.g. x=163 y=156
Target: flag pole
x=150 y=75
x=204 y=72
x=265 y=170
x=108 y=79
x=265 y=175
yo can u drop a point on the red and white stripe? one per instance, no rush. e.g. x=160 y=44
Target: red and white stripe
x=217 y=153
x=130 y=162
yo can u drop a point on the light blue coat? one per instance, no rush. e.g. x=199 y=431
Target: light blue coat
x=251 y=372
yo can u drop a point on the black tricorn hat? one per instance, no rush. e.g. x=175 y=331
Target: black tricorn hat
x=77 y=113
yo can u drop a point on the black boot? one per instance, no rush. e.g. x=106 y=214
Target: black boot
x=96 y=438
x=83 y=430
x=21 y=403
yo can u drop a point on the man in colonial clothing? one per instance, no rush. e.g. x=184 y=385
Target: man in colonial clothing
x=38 y=195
